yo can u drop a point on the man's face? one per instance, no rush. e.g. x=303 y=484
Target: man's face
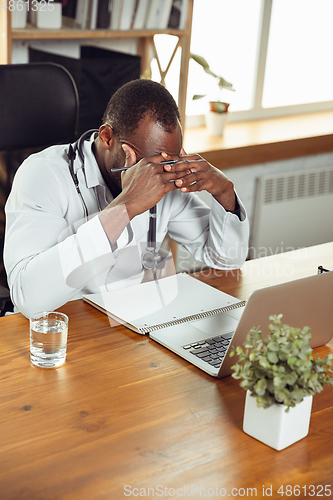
x=150 y=139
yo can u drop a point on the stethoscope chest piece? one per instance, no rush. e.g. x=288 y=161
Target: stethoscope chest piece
x=150 y=258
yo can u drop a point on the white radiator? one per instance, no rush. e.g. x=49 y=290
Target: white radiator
x=292 y=210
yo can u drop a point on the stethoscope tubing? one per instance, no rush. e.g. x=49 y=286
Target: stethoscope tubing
x=78 y=148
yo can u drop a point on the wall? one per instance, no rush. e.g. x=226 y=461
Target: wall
x=244 y=179
x=69 y=48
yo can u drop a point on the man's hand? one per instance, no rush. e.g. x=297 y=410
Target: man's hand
x=146 y=182
x=143 y=185
x=200 y=175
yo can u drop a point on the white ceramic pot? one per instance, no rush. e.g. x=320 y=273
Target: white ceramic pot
x=215 y=123
x=273 y=426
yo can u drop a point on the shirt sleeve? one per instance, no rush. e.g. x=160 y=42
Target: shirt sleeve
x=212 y=235
x=46 y=270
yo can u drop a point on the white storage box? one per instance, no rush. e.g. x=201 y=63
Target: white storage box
x=47 y=16
x=19 y=15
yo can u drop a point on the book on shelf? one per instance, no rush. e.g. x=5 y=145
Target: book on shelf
x=103 y=14
x=183 y=15
x=69 y=11
x=130 y=14
x=115 y=14
x=141 y=14
x=178 y=14
x=163 y=14
x=152 y=13
x=93 y=15
x=88 y=20
x=81 y=13
x=126 y=14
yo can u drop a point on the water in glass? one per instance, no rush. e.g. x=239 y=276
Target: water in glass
x=48 y=342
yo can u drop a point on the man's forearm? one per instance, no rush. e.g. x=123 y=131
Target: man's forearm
x=227 y=198
x=114 y=219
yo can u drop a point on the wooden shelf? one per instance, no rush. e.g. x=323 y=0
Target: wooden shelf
x=258 y=141
x=32 y=33
x=146 y=48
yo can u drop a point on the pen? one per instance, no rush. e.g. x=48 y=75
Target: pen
x=121 y=169
x=170 y=162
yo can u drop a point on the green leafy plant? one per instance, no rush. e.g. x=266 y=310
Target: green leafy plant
x=218 y=106
x=280 y=368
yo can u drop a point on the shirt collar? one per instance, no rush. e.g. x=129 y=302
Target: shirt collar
x=91 y=169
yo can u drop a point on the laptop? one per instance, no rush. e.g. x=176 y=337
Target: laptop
x=206 y=342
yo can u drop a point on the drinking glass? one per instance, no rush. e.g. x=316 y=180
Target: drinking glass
x=48 y=339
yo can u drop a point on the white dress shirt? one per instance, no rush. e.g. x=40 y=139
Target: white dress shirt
x=53 y=254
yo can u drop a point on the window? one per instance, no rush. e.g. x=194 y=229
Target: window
x=275 y=52
x=225 y=33
x=298 y=68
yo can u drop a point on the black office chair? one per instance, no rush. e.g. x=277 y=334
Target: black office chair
x=39 y=106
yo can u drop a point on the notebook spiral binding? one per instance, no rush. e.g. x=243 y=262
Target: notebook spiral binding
x=192 y=318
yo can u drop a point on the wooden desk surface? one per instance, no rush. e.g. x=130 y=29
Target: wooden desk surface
x=125 y=413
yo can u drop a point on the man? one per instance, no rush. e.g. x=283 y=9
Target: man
x=65 y=239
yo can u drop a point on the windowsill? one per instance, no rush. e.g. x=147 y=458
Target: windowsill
x=259 y=141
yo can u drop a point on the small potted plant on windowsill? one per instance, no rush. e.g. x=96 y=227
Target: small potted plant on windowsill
x=281 y=377
x=216 y=117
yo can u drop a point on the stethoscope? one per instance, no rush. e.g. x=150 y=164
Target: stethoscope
x=150 y=258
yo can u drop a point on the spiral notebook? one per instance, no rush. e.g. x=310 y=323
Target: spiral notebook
x=200 y=323
x=163 y=303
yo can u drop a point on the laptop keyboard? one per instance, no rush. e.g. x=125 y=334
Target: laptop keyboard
x=211 y=350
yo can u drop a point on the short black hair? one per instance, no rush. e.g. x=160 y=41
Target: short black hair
x=134 y=101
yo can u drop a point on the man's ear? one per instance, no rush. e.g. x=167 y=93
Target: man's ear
x=106 y=136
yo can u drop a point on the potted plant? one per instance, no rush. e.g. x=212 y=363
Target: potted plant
x=217 y=115
x=280 y=376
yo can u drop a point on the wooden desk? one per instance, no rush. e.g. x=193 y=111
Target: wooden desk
x=125 y=411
